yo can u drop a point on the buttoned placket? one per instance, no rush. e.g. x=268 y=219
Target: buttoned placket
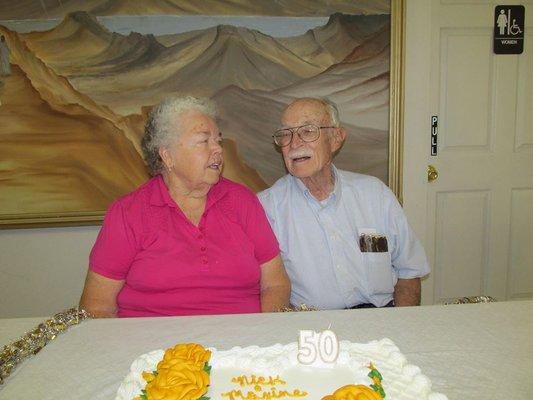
x=202 y=243
x=335 y=244
x=323 y=211
x=199 y=234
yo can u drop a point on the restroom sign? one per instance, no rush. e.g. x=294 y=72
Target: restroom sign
x=509 y=29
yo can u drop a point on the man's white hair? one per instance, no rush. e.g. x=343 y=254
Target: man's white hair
x=164 y=125
x=332 y=110
x=329 y=106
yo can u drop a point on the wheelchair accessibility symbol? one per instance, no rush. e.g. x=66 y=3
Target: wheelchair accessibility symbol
x=509 y=29
x=514 y=29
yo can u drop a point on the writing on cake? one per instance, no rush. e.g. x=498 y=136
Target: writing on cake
x=260 y=387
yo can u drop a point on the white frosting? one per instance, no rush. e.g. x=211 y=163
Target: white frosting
x=401 y=381
x=133 y=384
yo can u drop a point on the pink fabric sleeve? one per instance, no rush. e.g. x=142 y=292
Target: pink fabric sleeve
x=115 y=248
x=259 y=231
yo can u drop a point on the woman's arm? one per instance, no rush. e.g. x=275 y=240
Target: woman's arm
x=99 y=296
x=275 y=286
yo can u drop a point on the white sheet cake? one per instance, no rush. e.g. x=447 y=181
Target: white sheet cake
x=274 y=372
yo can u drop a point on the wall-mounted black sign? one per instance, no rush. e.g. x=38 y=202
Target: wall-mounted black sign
x=509 y=29
x=434 y=126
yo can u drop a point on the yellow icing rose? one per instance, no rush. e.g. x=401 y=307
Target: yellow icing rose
x=354 y=392
x=192 y=354
x=180 y=375
x=178 y=382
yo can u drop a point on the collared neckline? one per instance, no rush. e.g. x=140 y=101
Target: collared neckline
x=160 y=195
x=334 y=196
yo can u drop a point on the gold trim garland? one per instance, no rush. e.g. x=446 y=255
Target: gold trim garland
x=301 y=307
x=33 y=341
x=471 y=299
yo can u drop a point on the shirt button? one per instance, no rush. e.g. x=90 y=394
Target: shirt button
x=204 y=261
x=200 y=236
x=203 y=249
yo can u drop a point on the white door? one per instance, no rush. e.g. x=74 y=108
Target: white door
x=479 y=235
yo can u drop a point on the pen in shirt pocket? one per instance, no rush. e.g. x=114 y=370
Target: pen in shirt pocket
x=372 y=242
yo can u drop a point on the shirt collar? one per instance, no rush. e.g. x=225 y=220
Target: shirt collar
x=334 y=196
x=160 y=195
x=217 y=192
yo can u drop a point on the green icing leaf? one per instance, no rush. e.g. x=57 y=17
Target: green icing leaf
x=378 y=389
x=207 y=368
x=374 y=373
x=204 y=398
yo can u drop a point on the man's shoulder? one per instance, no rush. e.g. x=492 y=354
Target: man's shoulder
x=368 y=189
x=360 y=182
x=279 y=188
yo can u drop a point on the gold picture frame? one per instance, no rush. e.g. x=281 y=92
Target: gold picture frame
x=397 y=66
x=395 y=139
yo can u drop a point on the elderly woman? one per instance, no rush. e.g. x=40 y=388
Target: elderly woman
x=188 y=241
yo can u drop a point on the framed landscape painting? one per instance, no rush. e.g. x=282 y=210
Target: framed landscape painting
x=78 y=79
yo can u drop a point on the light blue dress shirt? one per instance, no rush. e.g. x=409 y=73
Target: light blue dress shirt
x=319 y=241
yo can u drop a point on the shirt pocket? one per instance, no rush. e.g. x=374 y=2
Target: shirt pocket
x=379 y=272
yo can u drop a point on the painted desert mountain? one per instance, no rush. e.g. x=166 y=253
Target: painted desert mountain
x=58 y=9
x=59 y=149
x=75 y=105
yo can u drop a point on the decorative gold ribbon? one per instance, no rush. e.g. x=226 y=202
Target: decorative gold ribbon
x=33 y=341
x=301 y=307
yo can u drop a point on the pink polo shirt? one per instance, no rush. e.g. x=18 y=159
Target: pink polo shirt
x=172 y=267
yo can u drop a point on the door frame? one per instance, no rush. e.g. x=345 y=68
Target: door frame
x=416 y=123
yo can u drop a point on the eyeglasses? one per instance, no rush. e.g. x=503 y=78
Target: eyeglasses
x=308 y=133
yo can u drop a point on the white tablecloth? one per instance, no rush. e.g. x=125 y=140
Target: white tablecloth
x=469 y=351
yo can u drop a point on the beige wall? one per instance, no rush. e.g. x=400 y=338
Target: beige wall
x=42 y=270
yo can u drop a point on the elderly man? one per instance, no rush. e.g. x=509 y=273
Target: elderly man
x=344 y=238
